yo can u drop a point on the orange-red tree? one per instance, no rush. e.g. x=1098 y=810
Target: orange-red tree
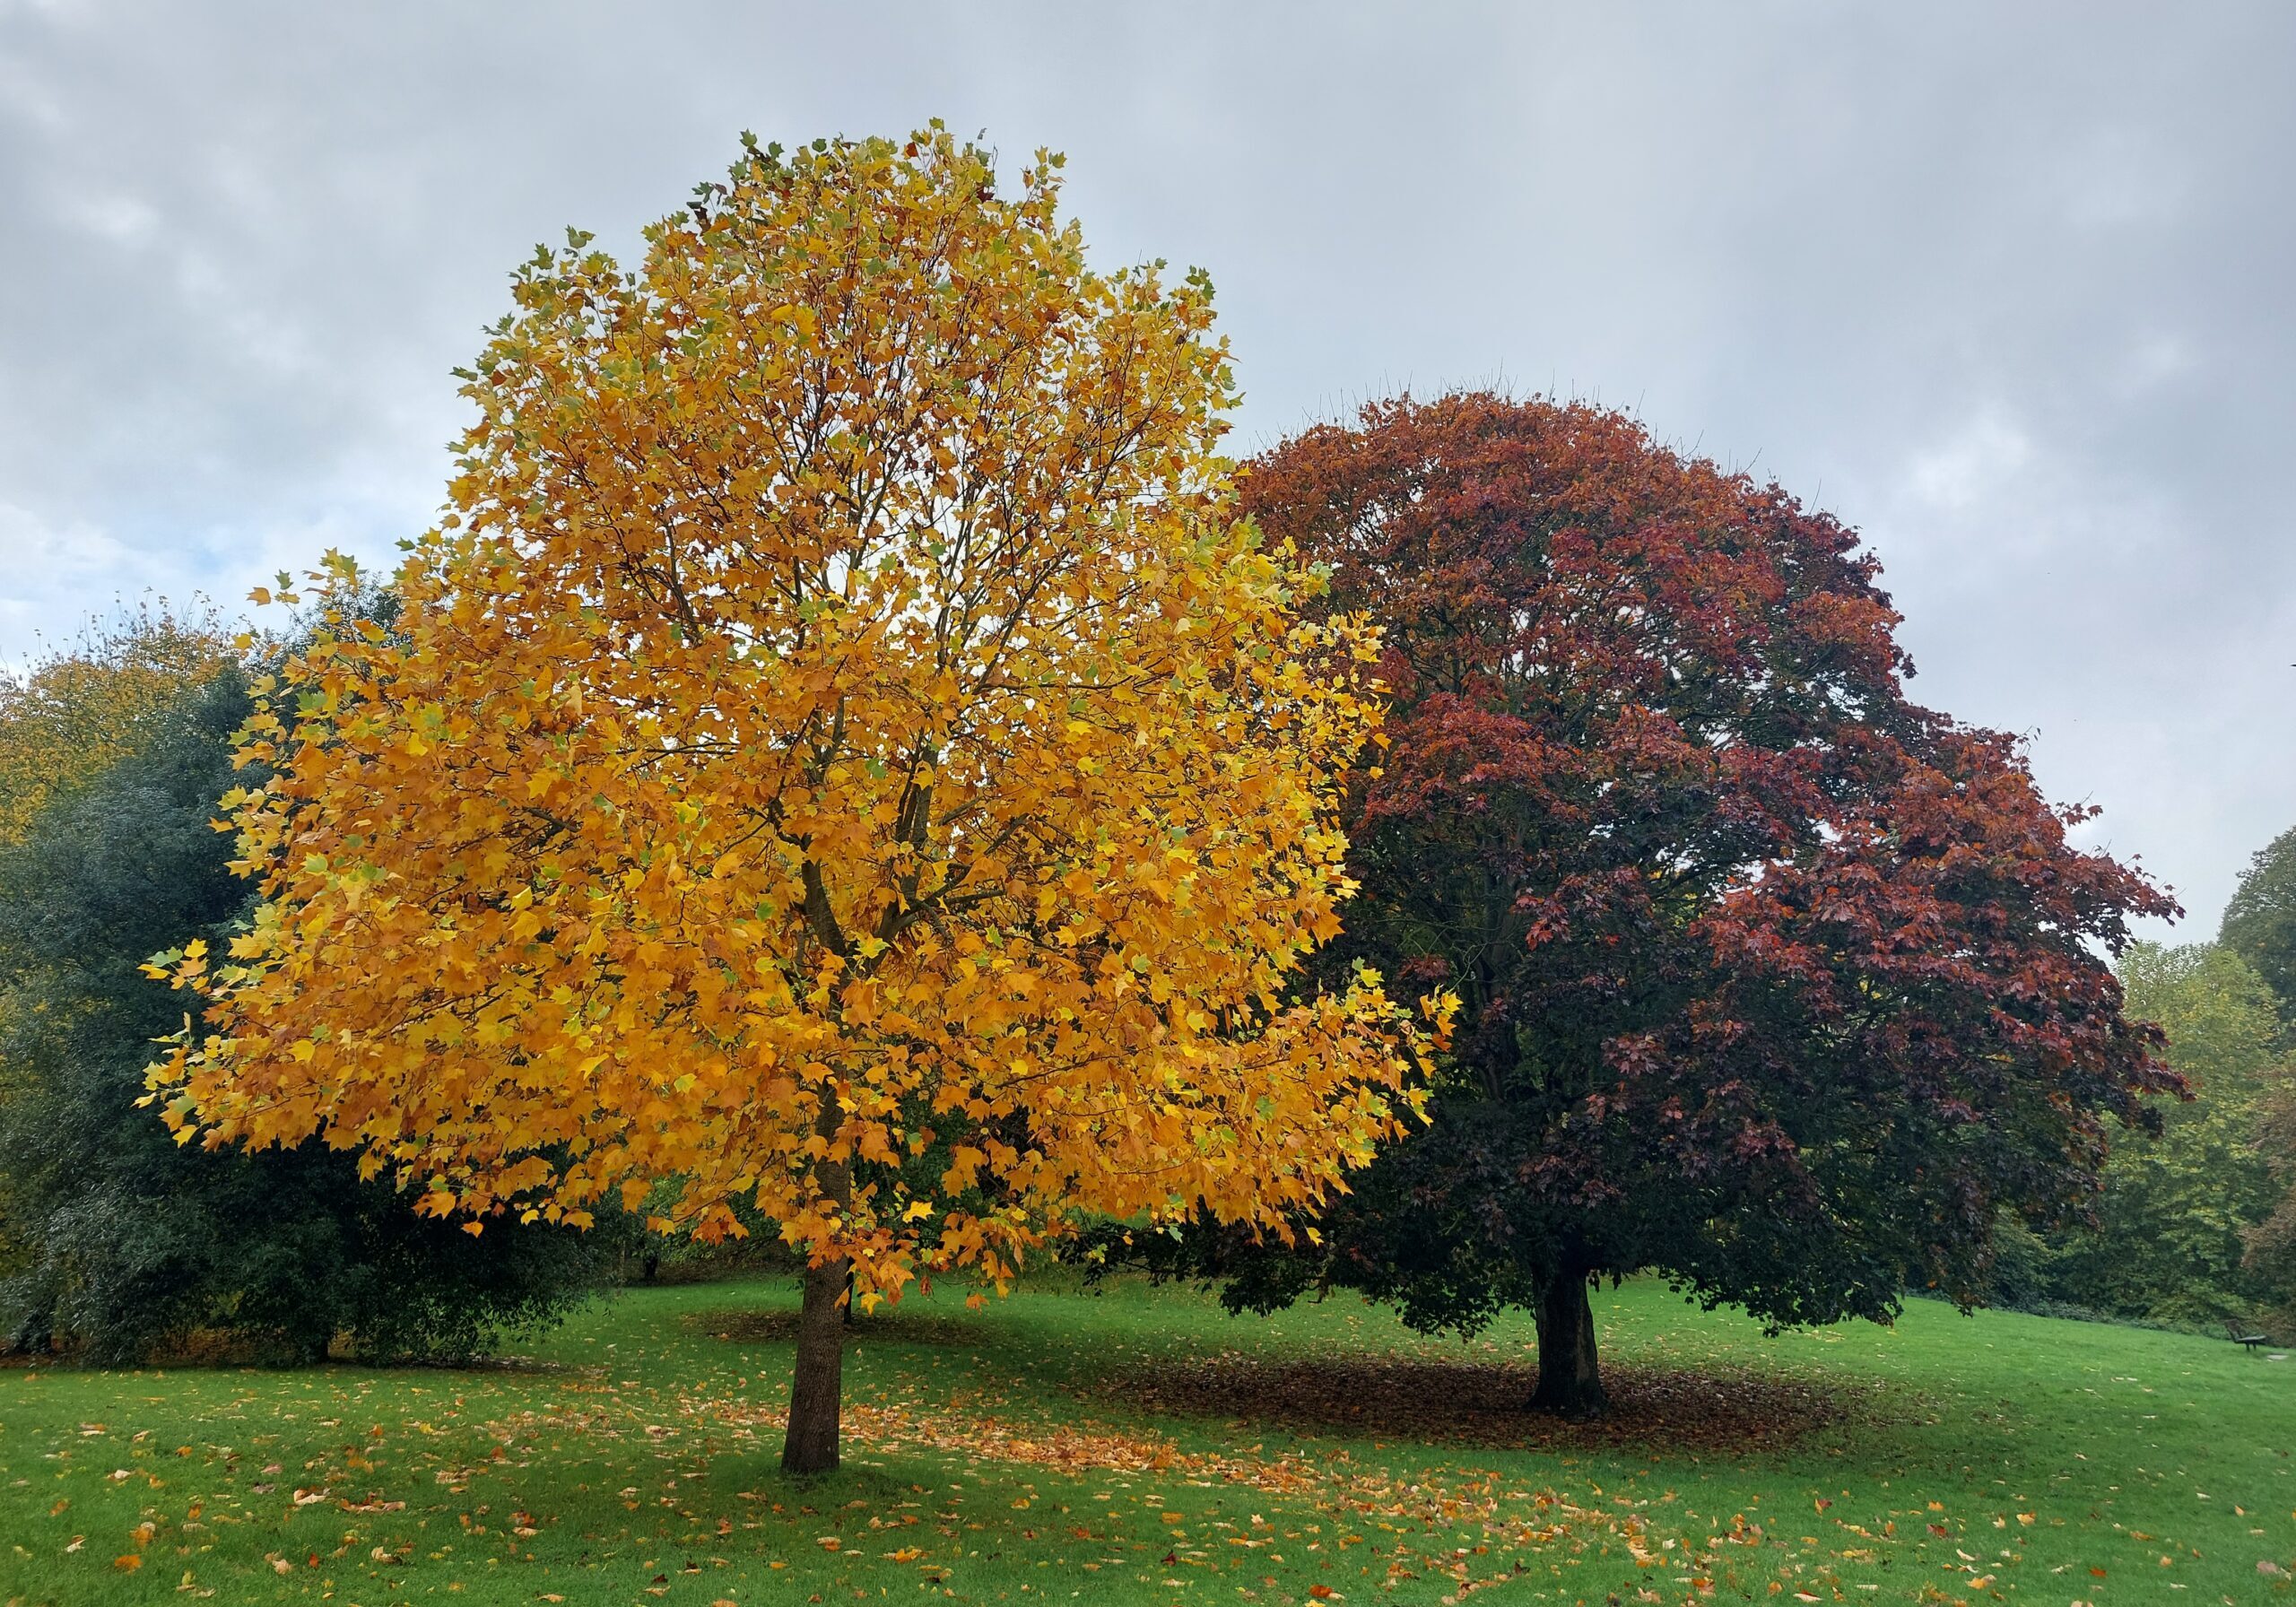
x=1771 y=979
x=841 y=754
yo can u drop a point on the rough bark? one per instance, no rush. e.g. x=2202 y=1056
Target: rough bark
x=816 y=1393
x=1570 y=1384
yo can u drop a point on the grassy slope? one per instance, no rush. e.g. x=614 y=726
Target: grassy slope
x=2024 y=1453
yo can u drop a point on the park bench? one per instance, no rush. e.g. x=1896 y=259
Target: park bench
x=2232 y=1331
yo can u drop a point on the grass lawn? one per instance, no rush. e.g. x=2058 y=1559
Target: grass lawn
x=1139 y=1446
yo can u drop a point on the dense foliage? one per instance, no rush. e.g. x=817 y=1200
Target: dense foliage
x=2178 y=1207
x=76 y=711
x=1770 y=978
x=2260 y=924
x=2272 y=1242
x=123 y=1242
x=841 y=755
x=2260 y=921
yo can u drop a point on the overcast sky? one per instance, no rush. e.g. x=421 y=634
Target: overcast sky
x=2011 y=289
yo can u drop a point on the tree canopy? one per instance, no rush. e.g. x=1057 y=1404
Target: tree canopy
x=842 y=753
x=80 y=708
x=2260 y=926
x=1770 y=979
x=2260 y=922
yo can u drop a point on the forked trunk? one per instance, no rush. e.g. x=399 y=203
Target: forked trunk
x=816 y=1392
x=1570 y=1384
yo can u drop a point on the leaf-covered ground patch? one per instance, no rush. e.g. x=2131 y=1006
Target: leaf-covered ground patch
x=1712 y=1411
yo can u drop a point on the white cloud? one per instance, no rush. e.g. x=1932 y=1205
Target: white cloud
x=53 y=578
x=1974 y=464
x=123 y=219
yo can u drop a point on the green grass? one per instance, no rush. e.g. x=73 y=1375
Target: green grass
x=1006 y=1455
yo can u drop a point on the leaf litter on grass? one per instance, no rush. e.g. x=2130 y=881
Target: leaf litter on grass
x=1467 y=1527
x=1713 y=1411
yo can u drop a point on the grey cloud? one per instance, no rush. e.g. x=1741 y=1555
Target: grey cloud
x=2004 y=287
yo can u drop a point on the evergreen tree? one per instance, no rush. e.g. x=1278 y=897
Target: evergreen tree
x=125 y=1243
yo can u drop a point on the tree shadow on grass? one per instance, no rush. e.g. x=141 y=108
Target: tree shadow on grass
x=1707 y=1412
x=1701 y=1413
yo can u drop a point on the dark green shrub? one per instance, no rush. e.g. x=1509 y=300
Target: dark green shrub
x=122 y=1245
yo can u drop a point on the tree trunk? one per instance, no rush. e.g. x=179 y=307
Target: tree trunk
x=1570 y=1383
x=816 y=1393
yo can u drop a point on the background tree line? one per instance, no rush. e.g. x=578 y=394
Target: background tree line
x=2197 y=1223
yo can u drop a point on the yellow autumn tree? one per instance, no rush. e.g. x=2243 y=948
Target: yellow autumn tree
x=842 y=754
